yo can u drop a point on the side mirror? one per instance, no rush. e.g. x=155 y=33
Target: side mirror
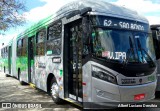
x=85 y=10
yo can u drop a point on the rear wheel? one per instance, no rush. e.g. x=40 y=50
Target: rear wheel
x=7 y=75
x=54 y=92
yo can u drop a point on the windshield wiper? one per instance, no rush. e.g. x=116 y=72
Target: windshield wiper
x=129 y=52
x=140 y=48
x=142 y=55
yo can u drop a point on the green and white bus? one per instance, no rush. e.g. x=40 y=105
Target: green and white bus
x=88 y=51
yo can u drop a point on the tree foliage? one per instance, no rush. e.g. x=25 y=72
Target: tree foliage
x=11 y=14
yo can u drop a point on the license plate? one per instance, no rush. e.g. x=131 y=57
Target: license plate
x=139 y=96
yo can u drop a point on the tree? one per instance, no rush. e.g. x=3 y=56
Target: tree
x=11 y=14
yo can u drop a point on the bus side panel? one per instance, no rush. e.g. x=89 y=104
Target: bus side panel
x=40 y=72
x=57 y=70
x=87 y=88
x=1 y=69
x=5 y=65
x=2 y=65
x=22 y=64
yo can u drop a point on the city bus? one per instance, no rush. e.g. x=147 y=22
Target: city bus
x=88 y=51
x=156 y=40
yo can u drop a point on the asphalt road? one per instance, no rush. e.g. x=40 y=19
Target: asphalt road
x=13 y=93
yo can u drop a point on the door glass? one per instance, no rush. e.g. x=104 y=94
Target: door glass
x=31 y=59
x=75 y=58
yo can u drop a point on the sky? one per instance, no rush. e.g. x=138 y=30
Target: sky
x=39 y=9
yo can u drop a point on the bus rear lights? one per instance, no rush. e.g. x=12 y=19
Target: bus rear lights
x=104 y=76
x=139 y=96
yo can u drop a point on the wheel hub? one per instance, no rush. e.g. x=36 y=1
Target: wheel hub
x=54 y=90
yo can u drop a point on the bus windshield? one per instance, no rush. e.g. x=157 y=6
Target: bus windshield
x=122 y=45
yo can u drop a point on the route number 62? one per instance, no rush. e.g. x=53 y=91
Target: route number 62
x=107 y=22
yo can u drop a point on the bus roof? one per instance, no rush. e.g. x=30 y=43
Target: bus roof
x=98 y=8
x=103 y=8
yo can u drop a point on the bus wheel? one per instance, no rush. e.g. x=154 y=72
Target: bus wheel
x=54 y=92
x=20 y=78
x=7 y=75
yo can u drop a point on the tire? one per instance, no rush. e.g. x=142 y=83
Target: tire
x=19 y=78
x=54 y=92
x=7 y=75
x=157 y=94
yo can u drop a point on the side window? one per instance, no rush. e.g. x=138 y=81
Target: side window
x=6 y=52
x=54 y=39
x=40 y=42
x=2 y=53
x=6 y=49
x=24 y=47
x=19 y=45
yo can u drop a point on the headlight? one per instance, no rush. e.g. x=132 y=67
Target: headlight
x=100 y=74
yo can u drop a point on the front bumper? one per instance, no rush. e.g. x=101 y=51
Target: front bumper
x=108 y=93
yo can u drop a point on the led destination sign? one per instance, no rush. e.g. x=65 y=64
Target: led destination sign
x=120 y=23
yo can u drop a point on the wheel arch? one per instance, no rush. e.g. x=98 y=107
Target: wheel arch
x=49 y=79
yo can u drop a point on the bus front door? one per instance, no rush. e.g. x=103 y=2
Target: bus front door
x=31 y=59
x=74 y=60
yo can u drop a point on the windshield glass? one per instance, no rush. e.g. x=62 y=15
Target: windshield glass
x=122 y=45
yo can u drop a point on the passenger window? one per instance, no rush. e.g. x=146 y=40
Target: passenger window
x=24 y=47
x=40 y=42
x=6 y=52
x=54 y=39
